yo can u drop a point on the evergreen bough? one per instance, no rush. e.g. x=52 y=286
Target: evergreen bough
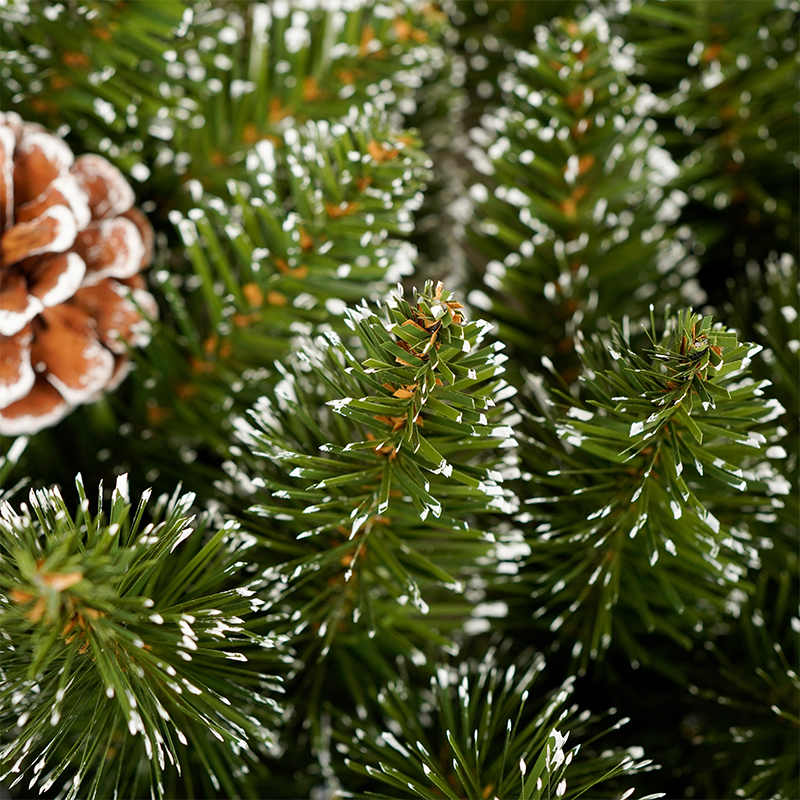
x=410 y=456
x=662 y=443
x=576 y=211
x=124 y=649
x=481 y=731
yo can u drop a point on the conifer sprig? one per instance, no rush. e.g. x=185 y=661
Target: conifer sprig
x=272 y=66
x=482 y=731
x=8 y=461
x=765 y=305
x=281 y=251
x=427 y=367
x=268 y=144
x=411 y=437
x=730 y=122
x=318 y=223
x=129 y=652
x=665 y=455
x=106 y=80
x=576 y=211
x=758 y=686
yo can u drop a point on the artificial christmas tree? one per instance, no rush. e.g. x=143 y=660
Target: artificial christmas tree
x=525 y=525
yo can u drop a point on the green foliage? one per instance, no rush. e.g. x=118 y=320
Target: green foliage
x=578 y=212
x=753 y=657
x=614 y=160
x=482 y=731
x=658 y=449
x=95 y=68
x=485 y=32
x=765 y=305
x=285 y=249
x=731 y=123
x=273 y=66
x=756 y=695
x=128 y=649
x=315 y=225
x=172 y=91
x=410 y=439
x=8 y=462
x=180 y=94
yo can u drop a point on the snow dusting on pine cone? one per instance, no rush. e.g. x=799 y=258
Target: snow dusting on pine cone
x=71 y=297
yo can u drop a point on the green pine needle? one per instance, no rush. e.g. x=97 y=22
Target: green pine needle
x=576 y=212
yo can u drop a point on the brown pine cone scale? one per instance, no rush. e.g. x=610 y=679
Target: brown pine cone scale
x=72 y=302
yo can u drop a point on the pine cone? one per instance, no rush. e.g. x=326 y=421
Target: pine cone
x=71 y=298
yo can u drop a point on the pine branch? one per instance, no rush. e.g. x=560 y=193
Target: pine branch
x=482 y=731
x=8 y=461
x=410 y=459
x=315 y=224
x=765 y=306
x=108 y=74
x=577 y=217
x=485 y=34
x=755 y=682
x=281 y=252
x=385 y=534
x=176 y=90
x=731 y=123
x=659 y=447
x=750 y=678
x=285 y=249
x=124 y=645
x=274 y=67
